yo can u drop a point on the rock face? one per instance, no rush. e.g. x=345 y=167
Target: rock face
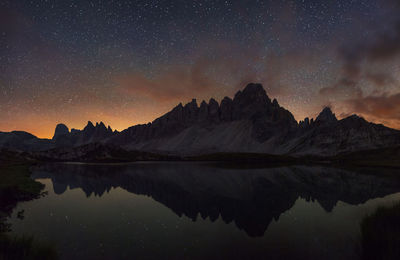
x=89 y=134
x=326 y=116
x=60 y=131
x=252 y=100
x=189 y=128
x=250 y=122
x=226 y=109
x=329 y=136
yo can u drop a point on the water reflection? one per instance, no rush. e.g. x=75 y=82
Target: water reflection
x=249 y=198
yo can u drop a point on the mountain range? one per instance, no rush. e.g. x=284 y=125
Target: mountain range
x=249 y=123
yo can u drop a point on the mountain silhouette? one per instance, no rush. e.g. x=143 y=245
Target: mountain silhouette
x=248 y=123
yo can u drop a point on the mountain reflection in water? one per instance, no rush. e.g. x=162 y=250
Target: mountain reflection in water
x=249 y=198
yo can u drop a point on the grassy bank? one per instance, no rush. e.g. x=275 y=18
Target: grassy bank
x=381 y=157
x=381 y=234
x=16 y=186
x=388 y=157
x=24 y=248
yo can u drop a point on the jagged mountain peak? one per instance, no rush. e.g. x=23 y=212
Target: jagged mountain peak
x=249 y=122
x=101 y=125
x=304 y=123
x=254 y=88
x=226 y=99
x=326 y=116
x=254 y=94
x=213 y=102
x=89 y=125
x=275 y=103
x=192 y=103
x=251 y=106
x=98 y=125
x=90 y=133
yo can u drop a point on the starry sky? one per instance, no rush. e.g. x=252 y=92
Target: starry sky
x=128 y=62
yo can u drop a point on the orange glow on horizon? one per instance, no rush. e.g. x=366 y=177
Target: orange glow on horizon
x=46 y=127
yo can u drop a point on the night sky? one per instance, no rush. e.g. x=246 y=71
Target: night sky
x=128 y=62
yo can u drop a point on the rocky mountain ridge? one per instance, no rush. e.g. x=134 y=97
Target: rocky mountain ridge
x=251 y=105
x=90 y=134
x=248 y=123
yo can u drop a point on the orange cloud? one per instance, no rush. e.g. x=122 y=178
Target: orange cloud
x=177 y=83
x=383 y=109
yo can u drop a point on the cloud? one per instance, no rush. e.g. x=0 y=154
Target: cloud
x=213 y=72
x=223 y=67
x=220 y=73
x=344 y=87
x=380 y=79
x=383 y=46
x=174 y=84
x=384 y=108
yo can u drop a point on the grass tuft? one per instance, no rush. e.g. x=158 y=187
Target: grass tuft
x=24 y=248
x=381 y=234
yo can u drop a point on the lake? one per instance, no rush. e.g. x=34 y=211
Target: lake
x=187 y=210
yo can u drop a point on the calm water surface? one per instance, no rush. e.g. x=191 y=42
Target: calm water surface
x=202 y=211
